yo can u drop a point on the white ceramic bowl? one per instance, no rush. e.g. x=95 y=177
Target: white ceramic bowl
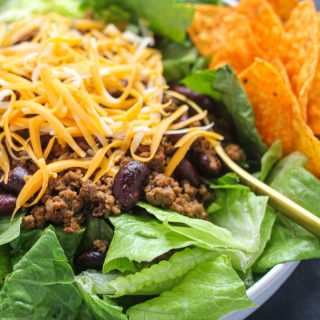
x=262 y=290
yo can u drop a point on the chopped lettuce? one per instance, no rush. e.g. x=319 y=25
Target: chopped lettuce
x=209 y=291
x=28 y=238
x=97 y=308
x=269 y=159
x=242 y=213
x=41 y=285
x=5 y=263
x=9 y=228
x=156 y=278
x=203 y=233
x=18 y=9
x=222 y=85
x=180 y=60
x=288 y=240
x=140 y=239
x=166 y=17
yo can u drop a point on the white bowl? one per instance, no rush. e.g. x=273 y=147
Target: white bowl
x=262 y=290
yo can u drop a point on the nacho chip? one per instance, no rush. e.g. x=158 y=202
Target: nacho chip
x=278 y=114
x=226 y=35
x=265 y=24
x=272 y=103
x=283 y=8
x=300 y=53
x=314 y=96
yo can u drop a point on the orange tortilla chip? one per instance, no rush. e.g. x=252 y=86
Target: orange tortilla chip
x=226 y=35
x=314 y=96
x=278 y=115
x=300 y=52
x=283 y=8
x=271 y=102
x=265 y=24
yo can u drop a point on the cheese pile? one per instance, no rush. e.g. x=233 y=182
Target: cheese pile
x=70 y=79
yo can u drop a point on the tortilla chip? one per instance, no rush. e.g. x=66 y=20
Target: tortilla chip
x=300 y=53
x=272 y=103
x=265 y=24
x=283 y=8
x=278 y=114
x=314 y=96
x=226 y=35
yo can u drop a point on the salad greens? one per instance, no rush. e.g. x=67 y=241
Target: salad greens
x=41 y=285
x=209 y=291
x=223 y=86
x=179 y=267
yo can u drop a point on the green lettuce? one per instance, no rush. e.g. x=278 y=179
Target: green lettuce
x=166 y=17
x=28 y=238
x=9 y=228
x=94 y=307
x=154 y=279
x=140 y=239
x=288 y=240
x=41 y=285
x=204 y=233
x=209 y=291
x=180 y=60
x=269 y=159
x=222 y=85
x=19 y=9
x=5 y=263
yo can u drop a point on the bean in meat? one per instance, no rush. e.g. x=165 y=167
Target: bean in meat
x=7 y=204
x=16 y=180
x=92 y=259
x=186 y=171
x=129 y=182
x=208 y=165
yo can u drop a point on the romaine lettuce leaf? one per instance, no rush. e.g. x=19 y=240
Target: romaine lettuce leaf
x=19 y=9
x=242 y=213
x=28 y=238
x=269 y=159
x=166 y=17
x=41 y=285
x=222 y=85
x=288 y=240
x=156 y=278
x=9 y=228
x=140 y=239
x=5 y=263
x=208 y=292
x=204 y=233
x=97 y=308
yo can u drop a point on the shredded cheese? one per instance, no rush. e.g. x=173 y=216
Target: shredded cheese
x=81 y=79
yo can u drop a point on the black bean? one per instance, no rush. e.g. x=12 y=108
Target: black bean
x=129 y=182
x=203 y=101
x=7 y=204
x=91 y=259
x=15 y=181
x=186 y=171
x=208 y=165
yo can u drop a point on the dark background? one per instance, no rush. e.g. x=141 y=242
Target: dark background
x=297 y=299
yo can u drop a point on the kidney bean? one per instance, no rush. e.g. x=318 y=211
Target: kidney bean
x=203 y=101
x=91 y=259
x=186 y=171
x=129 y=182
x=208 y=165
x=16 y=180
x=7 y=204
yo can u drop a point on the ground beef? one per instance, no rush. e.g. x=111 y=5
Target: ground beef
x=235 y=152
x=182 y=197
x=70 y=199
